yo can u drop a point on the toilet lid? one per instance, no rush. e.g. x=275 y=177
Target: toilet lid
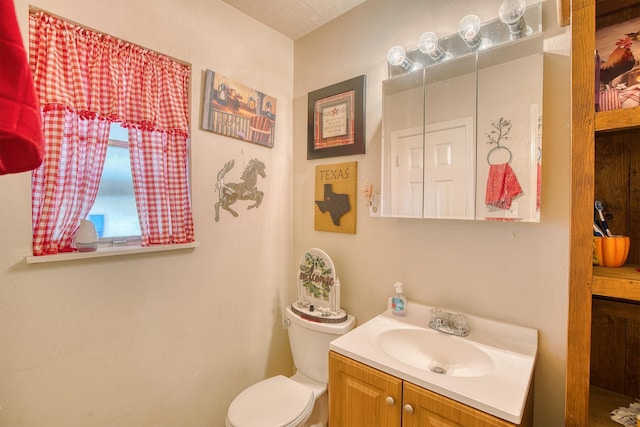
x=274 y=402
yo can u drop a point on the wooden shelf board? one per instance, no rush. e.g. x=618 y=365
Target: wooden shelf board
x=605 y=7
x=624 y=118
x=601 y=403
x=622 y=282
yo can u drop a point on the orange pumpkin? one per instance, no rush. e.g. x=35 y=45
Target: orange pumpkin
x=610 y=251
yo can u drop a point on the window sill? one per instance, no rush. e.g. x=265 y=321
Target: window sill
x=106 y=251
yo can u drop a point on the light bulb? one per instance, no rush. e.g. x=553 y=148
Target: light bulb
x=397 y=57
x=469 y=30
x=428 y=43
x=511 y=12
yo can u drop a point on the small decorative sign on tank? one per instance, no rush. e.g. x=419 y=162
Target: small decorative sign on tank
x=318 y=289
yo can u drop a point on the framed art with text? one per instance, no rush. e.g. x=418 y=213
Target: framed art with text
x=336 y=119
x=335 y=198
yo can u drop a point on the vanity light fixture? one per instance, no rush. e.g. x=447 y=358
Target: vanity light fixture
x=428 y=43
x=476 y=35
x=469 y=32
x=397 y=56
x=511 y=12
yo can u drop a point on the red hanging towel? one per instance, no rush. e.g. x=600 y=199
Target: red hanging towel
x=502 y=186
x=21 y=140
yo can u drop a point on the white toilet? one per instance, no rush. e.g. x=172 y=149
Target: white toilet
x=302 y=399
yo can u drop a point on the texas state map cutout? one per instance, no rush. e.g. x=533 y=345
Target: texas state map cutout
x=335 y=197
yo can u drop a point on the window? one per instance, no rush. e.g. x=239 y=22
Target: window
x=114 y=211
x=91 y=88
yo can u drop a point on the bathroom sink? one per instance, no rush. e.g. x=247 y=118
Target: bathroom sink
x=435 y=352
x=490 y=369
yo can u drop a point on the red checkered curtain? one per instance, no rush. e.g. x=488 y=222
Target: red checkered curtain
x=158 y=168
x=81 y=75
x=75 y=127
x=65 y=186
x=156 y=106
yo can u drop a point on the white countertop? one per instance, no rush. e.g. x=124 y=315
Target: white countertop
x=502 y=392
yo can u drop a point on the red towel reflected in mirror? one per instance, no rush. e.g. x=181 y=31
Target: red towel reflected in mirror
x=502 y=186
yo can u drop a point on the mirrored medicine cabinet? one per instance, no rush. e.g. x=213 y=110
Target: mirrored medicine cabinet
x=462 y=138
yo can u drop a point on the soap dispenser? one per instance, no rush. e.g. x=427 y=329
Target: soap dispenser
x=398 y=302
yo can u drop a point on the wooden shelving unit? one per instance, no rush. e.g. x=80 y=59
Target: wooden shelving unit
x=605 y=162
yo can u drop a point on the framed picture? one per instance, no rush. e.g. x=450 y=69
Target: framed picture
x=617 y=74
x=233 y=109
x=336 y=120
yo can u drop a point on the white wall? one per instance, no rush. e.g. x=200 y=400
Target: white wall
x=166 y=339
x=514 y=272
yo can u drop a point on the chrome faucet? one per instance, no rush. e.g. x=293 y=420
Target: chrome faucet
x=449 y=323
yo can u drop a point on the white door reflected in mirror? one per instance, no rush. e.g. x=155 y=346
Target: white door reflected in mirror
x=439 y=181
x=407 y=175
x=450 y=170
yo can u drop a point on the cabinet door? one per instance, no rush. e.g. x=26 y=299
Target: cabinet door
x=362 y=396
x=423 y=408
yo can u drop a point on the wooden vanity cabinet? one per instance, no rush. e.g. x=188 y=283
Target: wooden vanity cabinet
x=360 y=395
x=433 y=410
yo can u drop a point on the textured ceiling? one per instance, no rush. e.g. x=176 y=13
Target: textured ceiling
x=293 y=18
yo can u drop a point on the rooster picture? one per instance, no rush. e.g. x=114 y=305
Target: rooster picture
x=619 y=62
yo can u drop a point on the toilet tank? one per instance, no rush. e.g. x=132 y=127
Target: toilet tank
x=309 y=343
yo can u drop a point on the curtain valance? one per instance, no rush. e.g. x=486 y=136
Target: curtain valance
x=93 y=76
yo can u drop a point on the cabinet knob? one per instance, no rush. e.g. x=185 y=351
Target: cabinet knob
x=390 y=401
x=408 y=409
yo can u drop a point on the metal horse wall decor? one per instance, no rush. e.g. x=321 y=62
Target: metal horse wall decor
x=230 y=193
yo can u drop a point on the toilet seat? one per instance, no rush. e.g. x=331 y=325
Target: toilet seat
x=275 y=402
